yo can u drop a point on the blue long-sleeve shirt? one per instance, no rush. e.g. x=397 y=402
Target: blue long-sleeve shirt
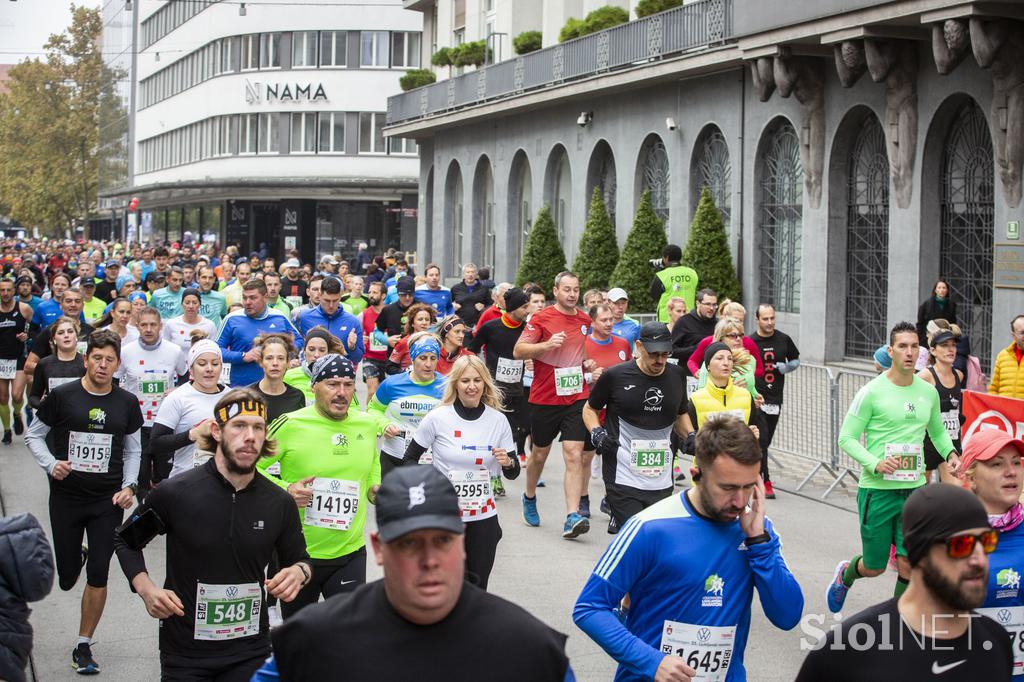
x=236 y=337
x=439 y=299
x=678 y=566
x=340 y=324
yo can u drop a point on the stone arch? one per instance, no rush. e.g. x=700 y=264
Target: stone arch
x=779 y=213
x=558 y=192
x=520 y=206
x=454 y=197
x=601 y=173
x=711 y=166
x=653 y=172
x=484 y=232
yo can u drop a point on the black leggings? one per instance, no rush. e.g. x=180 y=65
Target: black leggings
x=771 y=422
x=70 y=520
x=481 y=545
x=387 y=463
x=330 y=577
x=186 y=669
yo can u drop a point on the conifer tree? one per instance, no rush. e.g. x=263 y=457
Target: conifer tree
x=544 y=257
x=707 y=250
x=599 y=251
x=644 y=243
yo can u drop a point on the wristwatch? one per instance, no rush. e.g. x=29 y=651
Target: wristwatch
x=134 y=487
x=305 y=572
x=758 y=539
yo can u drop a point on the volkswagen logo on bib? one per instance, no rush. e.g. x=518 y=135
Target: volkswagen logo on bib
x=703 y=634
x=232 y=591
x=1003 y=615
x=469 y=475
x=335 y=485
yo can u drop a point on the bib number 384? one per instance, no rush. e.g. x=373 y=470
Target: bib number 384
x=89 y=452
x=568 y=380
x=334 y=503
x=227 y=611
x=649 y=457
x=705 y=648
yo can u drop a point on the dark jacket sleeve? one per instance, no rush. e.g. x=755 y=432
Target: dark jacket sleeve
x=657 y=289
x=26 y=575
x=163 y=442
x=39 y=384
x=133 y=561
x=412 y=453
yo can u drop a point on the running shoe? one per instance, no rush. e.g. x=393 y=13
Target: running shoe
x=498 y=487
x=541 y=483
x=585 y=507
x=613 y=526
x=82 y=660
x=836 y=593
x=575 y=526
x=19 y=426
x=605 y=509
x=8 y=438
x=530 y=515
x=769 y=491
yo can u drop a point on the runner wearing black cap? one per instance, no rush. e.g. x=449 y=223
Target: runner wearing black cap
x=422 y=611
x=931 y=631
x=391 y=320
x=645 y=399
x=223 y=521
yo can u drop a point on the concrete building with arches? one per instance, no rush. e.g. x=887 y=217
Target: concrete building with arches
x=858 y=152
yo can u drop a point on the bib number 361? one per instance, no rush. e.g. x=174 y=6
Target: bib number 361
x=705 y=648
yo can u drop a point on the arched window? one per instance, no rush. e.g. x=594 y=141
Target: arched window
x=483 y=211
x=780 y=217
x=967 y=211
x=562 y=206
x=713 y=170
x=453 y=216
x=867 y=240
x=601 y=174
x=654 y=175
x=520 y=215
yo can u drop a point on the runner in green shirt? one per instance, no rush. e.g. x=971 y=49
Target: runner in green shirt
x=331 y=467
x=893 y=412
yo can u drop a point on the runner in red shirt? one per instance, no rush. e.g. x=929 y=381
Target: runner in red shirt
x=555 y=339
x=376 y=355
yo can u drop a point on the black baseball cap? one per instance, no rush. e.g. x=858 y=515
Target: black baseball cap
x=416 y=497
x=656 y=337
x=406 y=285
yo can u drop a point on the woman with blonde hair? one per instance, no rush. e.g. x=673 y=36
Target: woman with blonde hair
x=727 y=310
x=470 y=439
x=730 y=332
x=943 y=338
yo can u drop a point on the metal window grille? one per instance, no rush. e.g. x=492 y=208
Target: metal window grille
x=655 y=177
x=715 y=172
x=781 y=219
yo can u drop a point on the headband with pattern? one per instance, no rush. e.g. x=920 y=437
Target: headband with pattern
x=243 y=407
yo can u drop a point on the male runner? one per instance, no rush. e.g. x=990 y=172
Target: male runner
x=779 y=356
x=376 y=355
x=646 y=400
x=212 y=305
x=313 y=293
x=690 y=564
x=331 y=467
x=168 y=299
x=86 y=435
x=223 y=522
x=71 y=306
x=625 y=326
x=893 y=411
x=433 y=293
x=555 y=339
x=15 y=317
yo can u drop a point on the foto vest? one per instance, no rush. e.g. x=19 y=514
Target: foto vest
x=679 y=281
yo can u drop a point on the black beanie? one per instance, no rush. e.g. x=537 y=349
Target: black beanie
x=515 y=298
x=935 y=513
x=710 y=351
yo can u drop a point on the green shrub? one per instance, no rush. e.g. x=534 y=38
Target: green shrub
x=707 y=250
x=527 y=41
x=443 y=57
x=470 y=54
x=604 y=17
x=644 y=243
x=599 y=250
x=573 y=29
x=544 y=257
x=646 y=8
x=416 y=78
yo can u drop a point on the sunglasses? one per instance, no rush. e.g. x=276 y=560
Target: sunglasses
x=962 y=546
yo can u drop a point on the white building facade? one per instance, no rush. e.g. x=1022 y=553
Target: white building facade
x=259 y=124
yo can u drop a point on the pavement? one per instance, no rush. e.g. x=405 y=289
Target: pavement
x=535 y=568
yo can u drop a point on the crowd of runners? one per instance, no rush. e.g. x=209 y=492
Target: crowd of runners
x=211 y=397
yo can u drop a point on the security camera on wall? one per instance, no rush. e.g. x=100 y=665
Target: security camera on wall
x=670 y=123
x=584 y=118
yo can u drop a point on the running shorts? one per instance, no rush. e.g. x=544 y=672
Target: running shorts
x=880 y=513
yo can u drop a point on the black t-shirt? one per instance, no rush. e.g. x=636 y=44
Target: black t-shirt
x=297 y=288
x=982 y=653
x=497 y=340
x=106 y=291
x=359 y=636
x=640 y=407
x=70 y=408
x=774 y=349
x=41 y=344
x=292 y=399
x=391 y=320
x=52 y=371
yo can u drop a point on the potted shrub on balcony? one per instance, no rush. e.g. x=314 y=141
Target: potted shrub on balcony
x=526 y=42
x=646 y=8
x=443 y=57
x=470 y=54
x=598 y=20
x=416 y=78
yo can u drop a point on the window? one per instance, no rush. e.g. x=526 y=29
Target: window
x=371 y=135
x=270 y=50
x=228 y=134
x=228 y=56
x=332 y=132
x=303 y=133
x=405 y=50
x=304 y=49
x=780 y=209
x=269 y=137
x=247 y=138
x=373 y=48
x=333 y=45
x=250 y=52
x=401 y=145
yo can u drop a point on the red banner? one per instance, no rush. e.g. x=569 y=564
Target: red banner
x=984 y=411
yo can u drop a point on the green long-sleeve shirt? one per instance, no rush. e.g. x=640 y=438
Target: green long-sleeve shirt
x=893 y=416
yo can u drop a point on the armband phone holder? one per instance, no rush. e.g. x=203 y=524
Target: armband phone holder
x=139 y=529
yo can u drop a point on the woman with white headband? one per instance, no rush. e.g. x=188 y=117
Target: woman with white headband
x=186 y=413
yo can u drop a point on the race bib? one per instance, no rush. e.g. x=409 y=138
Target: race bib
x=57 y=381
x=90 y=452
x=1011 y=618
x=649 y=457
x=951 y=420
x=153 y=386
x=81 y=347
x=227 y=611
x=769 y=408
x=334 y=504
x=568 y=380
x=473 y=486
x=910 y=464
x=508 y=371
x=293 y=301
x=8 y=368
x=691 y=386
x=225 y=374
x=723 y=414
x=705 y=648
x=201 y=457
x=376 y=345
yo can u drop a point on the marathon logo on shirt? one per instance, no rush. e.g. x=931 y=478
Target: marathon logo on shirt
x=909 y=410
x=8 y=323
x=1007 y=584
x=714 y=589
x=340 y=443
x=653 y=399
x=99 y=416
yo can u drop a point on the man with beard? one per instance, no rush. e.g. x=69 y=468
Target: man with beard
x=376 y=356
x=690 y=564
x=330 y=466
x=931 y=631
x=223 y=523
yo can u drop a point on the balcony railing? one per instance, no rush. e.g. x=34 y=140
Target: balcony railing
x=693 y=26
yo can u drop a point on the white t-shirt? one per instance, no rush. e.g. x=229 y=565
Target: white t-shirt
x=131 y=334
x=181 y=410
x=149 y=374
x=462 y=448
x=178 y=331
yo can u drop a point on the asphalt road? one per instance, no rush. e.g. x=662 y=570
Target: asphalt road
x=535 y=568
